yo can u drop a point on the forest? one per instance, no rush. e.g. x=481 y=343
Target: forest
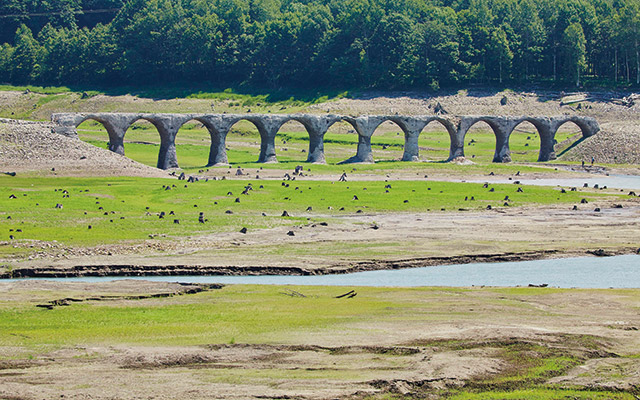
x=272 y=44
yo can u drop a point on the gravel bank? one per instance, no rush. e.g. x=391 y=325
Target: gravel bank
x=617 y=143
x=27 y=146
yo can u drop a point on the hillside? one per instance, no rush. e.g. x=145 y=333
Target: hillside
x=321 y=43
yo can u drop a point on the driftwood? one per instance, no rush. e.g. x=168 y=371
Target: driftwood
x=348 y=295
x=292 y=293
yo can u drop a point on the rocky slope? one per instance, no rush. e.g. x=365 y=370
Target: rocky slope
x=616 y=143
x=31 y=146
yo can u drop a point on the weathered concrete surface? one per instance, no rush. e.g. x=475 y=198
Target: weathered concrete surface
x=268 y=126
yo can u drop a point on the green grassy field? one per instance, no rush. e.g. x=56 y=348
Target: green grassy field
x=127 y=208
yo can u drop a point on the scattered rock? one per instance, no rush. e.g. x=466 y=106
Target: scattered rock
x=600 y=253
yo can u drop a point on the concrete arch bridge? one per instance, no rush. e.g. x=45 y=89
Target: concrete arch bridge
x=268 y=125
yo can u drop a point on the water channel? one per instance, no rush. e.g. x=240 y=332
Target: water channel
x=631 y=182
x=582 y=272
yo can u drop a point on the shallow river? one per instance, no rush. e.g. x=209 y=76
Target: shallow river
x=584 y=272
x=611 y=181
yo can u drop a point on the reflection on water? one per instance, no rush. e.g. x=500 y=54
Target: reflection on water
x=584 y=272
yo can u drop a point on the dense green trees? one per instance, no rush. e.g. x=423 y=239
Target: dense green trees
x=319 y=43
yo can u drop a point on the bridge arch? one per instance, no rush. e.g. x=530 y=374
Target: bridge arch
x=316 y=127
x=412 y=145
x=367 y=125
x=218 y=125
x=499 y=128
x=545 y=133
x=588 y=127
x=116 y=126
x=515 y=145
x=410 y=127
x=207 y=124
x=116 y=136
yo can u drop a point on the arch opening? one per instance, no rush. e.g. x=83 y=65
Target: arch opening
x=292 y=142
x=243 y=141
x=480 y=141
x=388 y=141
x=96 y=132
x=142 y=141
x=524 y=142
x=340 y=142
x=435 y=140
x=569 y=134
x=193 y=144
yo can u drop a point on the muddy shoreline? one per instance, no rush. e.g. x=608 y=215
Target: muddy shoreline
x=127 y=270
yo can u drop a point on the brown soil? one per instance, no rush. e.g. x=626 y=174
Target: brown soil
x=415 y=355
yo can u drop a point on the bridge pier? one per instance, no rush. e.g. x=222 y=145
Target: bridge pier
x=411 y=127
x=116 y=143
x=167 y=126
x=456 y=148
x=547 y=132
x=218 y=148
x=218 y=128
x=364 y=126
x=268 y=126
x=502 y=128
x=316 y=147
x=411 y=147
x=317 y=127
x=116 y=128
